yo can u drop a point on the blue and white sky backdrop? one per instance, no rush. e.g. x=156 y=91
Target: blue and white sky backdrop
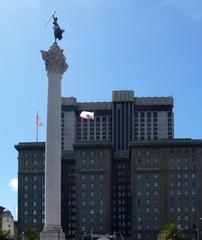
x=153 y=47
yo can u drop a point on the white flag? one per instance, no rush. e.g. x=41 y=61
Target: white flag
x=87 y=115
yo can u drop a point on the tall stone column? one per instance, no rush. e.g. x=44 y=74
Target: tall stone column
x=55 y=67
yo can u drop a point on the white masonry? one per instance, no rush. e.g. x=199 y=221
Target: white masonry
x=55 y=67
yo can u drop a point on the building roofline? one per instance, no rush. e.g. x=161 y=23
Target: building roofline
x=166 y=142
x=29 y=145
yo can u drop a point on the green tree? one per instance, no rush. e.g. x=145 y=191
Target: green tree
x=5 y=235
x=31 y=235
x=170 y=232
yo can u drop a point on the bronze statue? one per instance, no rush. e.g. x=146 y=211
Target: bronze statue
x=57 y=30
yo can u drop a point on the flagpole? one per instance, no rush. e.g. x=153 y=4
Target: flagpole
x=37 y=127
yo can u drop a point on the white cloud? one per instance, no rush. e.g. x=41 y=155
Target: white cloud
x=13 y=184
x=192 y=8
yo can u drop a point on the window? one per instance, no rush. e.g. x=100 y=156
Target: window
x=147 y=193
x=147 y=184
x=92 y=177
x=147 y=210
x=101 y=211
x=193 y=209
x=156 y=210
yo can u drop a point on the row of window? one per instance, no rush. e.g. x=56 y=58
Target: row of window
x=91 y=176
x=92 y=203
x=182 y=183
x=91 y=185
x=171 y=151
x=179 y=193
x=34 y=204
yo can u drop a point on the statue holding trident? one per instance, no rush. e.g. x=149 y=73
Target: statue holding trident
x=57 y=30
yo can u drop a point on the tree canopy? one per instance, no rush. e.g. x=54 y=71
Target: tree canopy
x=170 y=232
x=31 y=235
x=5 y=235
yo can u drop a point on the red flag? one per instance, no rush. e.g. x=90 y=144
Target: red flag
x=38 y=121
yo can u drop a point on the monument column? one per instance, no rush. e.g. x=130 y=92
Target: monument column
x=55 y=67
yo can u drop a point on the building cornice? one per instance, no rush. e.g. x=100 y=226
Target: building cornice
x=166 y=143
x=30 y=145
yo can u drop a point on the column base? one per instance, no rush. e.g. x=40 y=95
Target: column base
x=52 y=232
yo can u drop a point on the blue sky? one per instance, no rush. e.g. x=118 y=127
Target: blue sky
x=152 y=47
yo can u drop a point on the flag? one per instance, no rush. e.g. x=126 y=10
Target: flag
x=38 y=121
x=87 y=115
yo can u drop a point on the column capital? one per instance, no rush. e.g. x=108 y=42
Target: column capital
x=54 y=59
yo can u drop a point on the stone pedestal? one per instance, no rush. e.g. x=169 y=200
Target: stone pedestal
x=55 y=66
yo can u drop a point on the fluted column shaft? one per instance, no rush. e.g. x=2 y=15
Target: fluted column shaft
x=55 y=66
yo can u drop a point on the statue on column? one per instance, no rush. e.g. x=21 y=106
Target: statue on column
x=57 y=30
